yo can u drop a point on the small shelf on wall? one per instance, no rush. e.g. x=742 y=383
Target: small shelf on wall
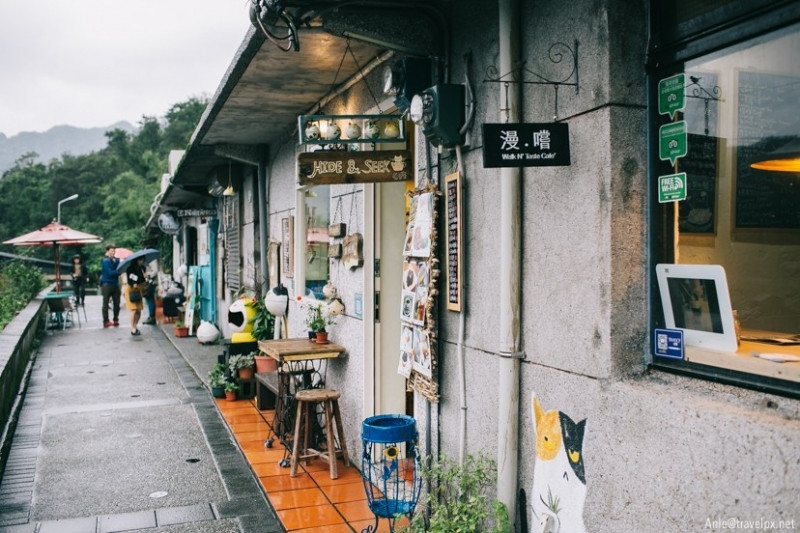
x=349 y=129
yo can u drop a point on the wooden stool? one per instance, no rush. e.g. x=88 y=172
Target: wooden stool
x=305 y=403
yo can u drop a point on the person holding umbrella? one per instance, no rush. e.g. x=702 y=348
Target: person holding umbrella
x=134 y=294
x=137 y=286
x=109 y=285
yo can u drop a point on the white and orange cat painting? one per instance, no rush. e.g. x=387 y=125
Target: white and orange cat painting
x=559 y=481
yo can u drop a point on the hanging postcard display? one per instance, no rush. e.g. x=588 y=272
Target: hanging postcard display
x=420 y=272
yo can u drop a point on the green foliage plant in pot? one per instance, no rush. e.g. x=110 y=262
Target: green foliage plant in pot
x=181 y=329
x=241 y=365
x=459 y=499
x=317 y=320
x=230 y=391
x=216 y=380
x=263 y=323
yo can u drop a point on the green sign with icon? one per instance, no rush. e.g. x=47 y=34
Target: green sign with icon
x=672 y=188
x=672 y=141
x=671 y=95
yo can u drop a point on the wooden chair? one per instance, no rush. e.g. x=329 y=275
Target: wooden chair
x=306 y=399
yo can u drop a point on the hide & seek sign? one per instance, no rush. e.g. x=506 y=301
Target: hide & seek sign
x=526 y=145
x=331 y=167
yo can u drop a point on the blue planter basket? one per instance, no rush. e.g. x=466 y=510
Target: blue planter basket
x=390 y=467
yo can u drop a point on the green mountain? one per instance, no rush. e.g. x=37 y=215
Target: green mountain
x=55 y=142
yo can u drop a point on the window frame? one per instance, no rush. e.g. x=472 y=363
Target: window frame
x=670 y=48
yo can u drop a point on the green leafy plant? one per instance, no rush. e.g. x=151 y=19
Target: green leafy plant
x=216 y=376
x=316 y=318
x=263 y=323
x=230 y=386
x=458 y=500
x=241 y=361
x=19 y=284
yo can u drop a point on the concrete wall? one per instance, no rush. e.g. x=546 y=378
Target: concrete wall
x=660 y=452
x=17 y=342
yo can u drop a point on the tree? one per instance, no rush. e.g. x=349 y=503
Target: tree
x=116 y=185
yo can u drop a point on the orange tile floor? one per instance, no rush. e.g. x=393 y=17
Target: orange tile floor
x=310 y=502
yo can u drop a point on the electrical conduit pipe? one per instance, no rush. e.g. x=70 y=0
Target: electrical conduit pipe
x=510 y=247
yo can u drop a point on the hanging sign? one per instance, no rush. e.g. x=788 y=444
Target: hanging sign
x=672 y=143
x=671 y=95
x=453 y=251
x=526 y=145
x=672 y=188
x=329 y=167
x=197 y=213
x=168 y=223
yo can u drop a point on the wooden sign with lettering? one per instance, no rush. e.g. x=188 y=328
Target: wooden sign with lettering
x=326 y=168
x=453 y=250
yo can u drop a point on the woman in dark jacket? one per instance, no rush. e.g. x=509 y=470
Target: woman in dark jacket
x=80 y=278
x=136 y=280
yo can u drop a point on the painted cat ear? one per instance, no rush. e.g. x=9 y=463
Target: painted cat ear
x=538 y=412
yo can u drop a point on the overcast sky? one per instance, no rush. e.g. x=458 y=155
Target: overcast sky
x=91 y=63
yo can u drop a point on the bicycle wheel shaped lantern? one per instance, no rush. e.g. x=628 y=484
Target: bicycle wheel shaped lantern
x=390 y=467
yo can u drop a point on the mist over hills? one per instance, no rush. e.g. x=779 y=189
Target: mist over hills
x=55 y=142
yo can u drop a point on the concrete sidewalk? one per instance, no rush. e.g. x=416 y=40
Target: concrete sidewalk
x=119 y=433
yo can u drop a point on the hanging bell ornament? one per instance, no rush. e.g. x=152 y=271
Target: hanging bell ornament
x=335 y=307
x=353 y=130
x=392 y=130
x=312 y=131
x=371 y=129
x=333 y=132
x=329 y=291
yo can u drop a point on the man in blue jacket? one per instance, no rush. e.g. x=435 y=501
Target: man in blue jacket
x=109 y=285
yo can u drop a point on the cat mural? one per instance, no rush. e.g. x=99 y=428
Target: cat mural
x=559 y=481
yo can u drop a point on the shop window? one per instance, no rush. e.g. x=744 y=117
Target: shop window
x=318 y=216
x=715 y=116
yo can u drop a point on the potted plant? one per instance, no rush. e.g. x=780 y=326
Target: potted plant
x=241 y=365
x=181 y=329
x=317 y=321
x=230 y=391
x=216 y=380
x=460 y=498
x=263 y=323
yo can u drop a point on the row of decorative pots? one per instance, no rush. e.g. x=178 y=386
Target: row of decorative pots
x=264 y=363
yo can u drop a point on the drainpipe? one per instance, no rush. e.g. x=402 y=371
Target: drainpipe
x=510 y=247
x=263 y=221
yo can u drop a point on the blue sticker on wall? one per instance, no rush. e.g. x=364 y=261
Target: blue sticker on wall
x=668 y=343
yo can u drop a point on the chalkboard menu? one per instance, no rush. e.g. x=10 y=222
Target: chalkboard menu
x=453 y=221
x=767 y=119
x=697 y=214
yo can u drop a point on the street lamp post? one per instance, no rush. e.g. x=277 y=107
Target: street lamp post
x=67 y=199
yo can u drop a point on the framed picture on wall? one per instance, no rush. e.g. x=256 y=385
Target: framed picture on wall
x=287 y=247
x=273 y=263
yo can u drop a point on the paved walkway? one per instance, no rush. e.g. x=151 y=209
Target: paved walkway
x=118 y=433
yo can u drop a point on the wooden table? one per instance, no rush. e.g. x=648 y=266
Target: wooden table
x=287 y=350
x=299 y=368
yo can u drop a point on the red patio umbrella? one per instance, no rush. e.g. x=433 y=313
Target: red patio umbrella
x=122 y=253
x=55 y=235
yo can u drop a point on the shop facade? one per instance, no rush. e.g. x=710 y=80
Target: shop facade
x=538 y=295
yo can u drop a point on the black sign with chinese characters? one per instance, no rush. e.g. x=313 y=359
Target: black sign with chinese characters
x=526 y=145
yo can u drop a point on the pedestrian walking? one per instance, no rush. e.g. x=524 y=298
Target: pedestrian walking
x=80 y=278
x=150 y=294
x=134 y=295
x=109 y=285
